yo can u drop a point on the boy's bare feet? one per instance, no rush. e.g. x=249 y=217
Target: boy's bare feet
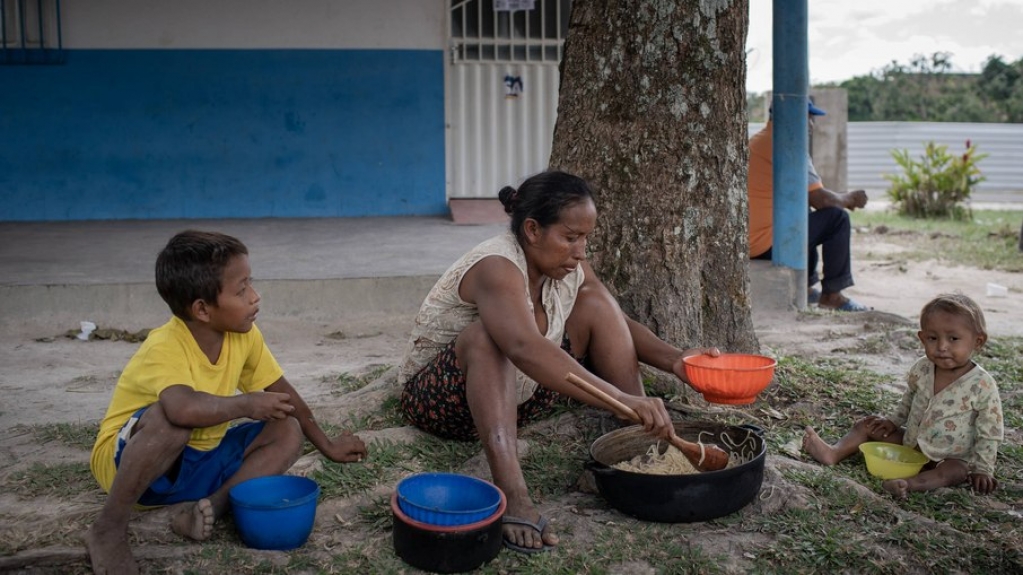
x=817 y=448
x=899 y=488
x=109 y=552
x=193 y=519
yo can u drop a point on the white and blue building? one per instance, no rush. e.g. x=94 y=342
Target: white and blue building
x=149 y=109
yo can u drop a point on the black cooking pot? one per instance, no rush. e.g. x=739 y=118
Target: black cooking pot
x=446 y=549
x=679 y=498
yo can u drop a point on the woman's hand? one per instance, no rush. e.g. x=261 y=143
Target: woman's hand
x=983 y=483
x=653 y=415
x=679 y=367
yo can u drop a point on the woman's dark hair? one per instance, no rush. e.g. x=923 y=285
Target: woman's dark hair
x=191 y=267
x=542 y=197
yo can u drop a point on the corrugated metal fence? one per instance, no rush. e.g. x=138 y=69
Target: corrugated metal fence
x=870 y=145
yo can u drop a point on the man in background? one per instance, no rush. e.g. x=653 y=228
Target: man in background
x=828 y=227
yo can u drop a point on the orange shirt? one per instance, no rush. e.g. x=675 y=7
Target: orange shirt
x=761 y=198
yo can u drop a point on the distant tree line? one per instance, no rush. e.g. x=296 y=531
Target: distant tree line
x=927 y=90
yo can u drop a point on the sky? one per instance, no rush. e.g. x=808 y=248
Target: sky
x=849 y=38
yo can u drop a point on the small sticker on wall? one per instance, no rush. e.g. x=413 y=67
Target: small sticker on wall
x=512 y=5
x=512 y=86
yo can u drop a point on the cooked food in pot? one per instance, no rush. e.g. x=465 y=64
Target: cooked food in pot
x=671 y=461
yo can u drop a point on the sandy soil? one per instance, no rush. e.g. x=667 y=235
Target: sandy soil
x=49 y=378
x=52 y=378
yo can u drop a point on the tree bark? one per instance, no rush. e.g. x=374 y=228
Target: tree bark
x=652 y=113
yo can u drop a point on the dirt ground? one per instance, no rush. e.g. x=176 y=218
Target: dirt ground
x=49 y=378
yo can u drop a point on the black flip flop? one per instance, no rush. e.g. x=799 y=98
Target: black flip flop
x=539 y=526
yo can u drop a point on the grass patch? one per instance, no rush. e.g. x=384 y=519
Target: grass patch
x=377 y=515
x=839 y=391
x=370 y=557
x=343 y=383
x=347 y=479
x=78 y=435
x=552 y=468
x=389 y=462
x=989 y=241
x=657 y=544
x=892 y=338
x=1001 y=357
x=843 y=529
x=214 y=556
x=387 y=416
x=63 y=480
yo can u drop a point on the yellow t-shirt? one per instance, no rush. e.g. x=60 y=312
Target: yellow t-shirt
x=171 y=356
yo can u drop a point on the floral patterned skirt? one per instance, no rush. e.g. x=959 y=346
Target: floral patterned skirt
x=434 y=399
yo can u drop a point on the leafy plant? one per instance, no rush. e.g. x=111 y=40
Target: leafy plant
x=936 y=185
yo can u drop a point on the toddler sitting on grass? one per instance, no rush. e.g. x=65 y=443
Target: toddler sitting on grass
x=951 y=411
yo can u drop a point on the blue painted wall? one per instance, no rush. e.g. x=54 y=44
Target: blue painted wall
x=155 y=134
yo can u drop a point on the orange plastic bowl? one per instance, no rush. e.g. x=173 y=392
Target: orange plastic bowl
x=731 y=378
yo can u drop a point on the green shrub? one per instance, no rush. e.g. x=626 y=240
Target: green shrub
x=936 y=185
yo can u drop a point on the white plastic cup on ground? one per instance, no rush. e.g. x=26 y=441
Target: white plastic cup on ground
x=87 y=328
x=995 y=290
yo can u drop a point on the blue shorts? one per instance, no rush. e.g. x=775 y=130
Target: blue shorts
x=196 y=474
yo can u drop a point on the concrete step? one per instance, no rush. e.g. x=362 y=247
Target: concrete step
x=346 y=268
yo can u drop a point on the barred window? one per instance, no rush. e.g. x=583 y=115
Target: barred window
x=30 y=32
x=480 y=33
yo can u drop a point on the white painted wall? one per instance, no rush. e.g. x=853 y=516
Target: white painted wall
x=253 y=24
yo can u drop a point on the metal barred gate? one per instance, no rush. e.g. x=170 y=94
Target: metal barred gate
x=502 y=92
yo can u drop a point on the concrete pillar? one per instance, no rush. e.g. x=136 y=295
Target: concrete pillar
x=829 y=147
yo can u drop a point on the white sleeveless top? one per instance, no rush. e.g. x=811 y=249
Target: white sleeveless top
x=444 y=314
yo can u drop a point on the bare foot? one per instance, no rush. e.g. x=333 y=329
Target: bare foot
x=817 y=448
x=193 y=519
x=899 y=488
x=109 y=552
x=524 y=535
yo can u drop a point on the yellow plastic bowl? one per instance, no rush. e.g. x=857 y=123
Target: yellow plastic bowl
x=892 y=461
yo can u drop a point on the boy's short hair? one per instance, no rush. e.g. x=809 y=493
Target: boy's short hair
x=958 y=304
x=191 y=267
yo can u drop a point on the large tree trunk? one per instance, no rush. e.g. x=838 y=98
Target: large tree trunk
x=652 y=113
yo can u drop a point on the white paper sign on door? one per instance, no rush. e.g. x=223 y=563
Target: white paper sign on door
x=512 y=5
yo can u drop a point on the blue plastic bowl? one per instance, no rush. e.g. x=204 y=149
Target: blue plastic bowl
x=275 y=512
x=447 y=498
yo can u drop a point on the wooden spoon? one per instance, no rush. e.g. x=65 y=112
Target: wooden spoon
x=703 y=456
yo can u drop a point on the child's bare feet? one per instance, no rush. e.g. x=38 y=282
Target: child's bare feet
x=815 y=446
x=109 y=552
x=193 y=519
x=899 y=488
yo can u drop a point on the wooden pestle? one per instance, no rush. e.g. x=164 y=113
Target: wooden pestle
x=703 y=456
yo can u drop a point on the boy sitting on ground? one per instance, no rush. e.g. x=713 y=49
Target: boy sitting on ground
x=166 y=438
